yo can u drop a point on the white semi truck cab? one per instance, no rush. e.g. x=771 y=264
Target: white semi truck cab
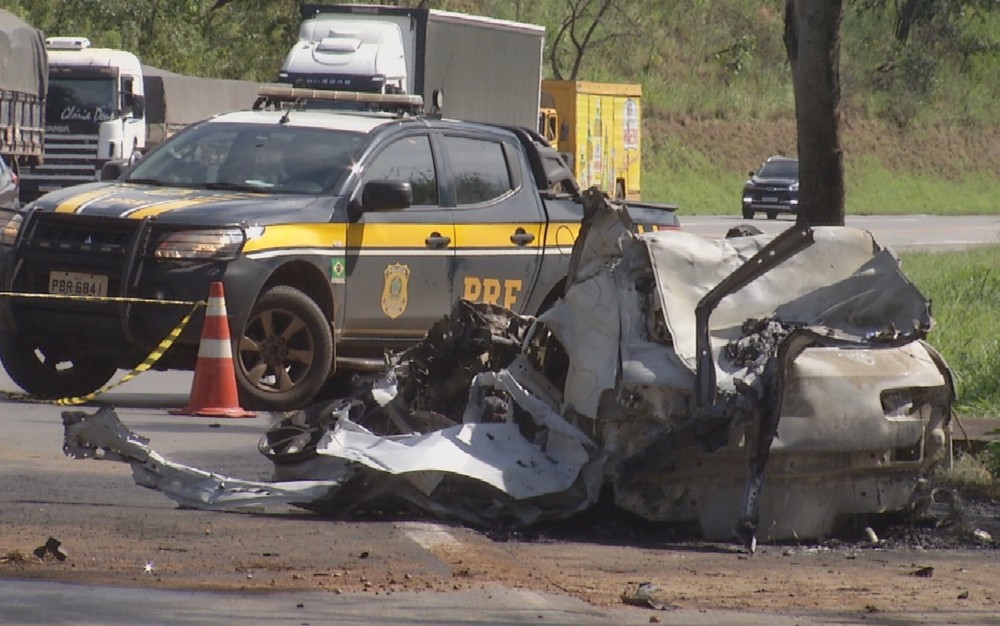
x=347 y=55
x=94 y=112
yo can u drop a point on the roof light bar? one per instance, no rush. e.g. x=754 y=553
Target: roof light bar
x=286 y=93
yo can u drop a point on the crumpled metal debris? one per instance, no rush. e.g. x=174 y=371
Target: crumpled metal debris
x=646 y=595
x=677 y=370
x=103 y=436
x=500 y=454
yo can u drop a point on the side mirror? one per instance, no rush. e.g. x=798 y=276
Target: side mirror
x=139 y=106
x=386 y=195
x=751 y=174
x=381 y=195
x=112 y=170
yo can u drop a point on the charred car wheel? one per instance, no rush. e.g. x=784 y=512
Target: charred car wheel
x=284 y=353
x=46 y=376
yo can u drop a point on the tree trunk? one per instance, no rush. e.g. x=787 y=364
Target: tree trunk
x=812 y=42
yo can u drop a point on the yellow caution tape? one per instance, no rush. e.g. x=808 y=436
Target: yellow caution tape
x=147 y=363
x=53 y=296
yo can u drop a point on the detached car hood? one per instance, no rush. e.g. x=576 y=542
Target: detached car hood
x=179 y=204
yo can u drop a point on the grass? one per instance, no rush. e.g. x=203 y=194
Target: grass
x=686 y=177
x=974 y=474
x=873 y=189
x=964 y=288
x=700 y=187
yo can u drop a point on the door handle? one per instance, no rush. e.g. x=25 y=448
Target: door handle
x=437 y=241
x=522 y=238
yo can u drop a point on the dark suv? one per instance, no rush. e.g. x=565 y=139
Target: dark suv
x=773 y=189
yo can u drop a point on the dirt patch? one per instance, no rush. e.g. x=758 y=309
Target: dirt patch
x=596 y=556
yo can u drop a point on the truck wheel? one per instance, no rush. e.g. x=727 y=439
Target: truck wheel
x=285 y=352
x=772 y=215
x=45 y=377
x=747 y=213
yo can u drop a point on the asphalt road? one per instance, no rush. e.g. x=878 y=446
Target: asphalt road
x=80 y=501
x=899 y=232
x=37 y=475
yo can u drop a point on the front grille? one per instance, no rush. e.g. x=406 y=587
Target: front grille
x=77 y=243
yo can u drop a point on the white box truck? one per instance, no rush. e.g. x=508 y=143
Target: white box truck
x=465 y=66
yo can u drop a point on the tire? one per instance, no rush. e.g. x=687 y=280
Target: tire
x=42 y=376
x=772 y=215
x=747 y=213
x=285 y=353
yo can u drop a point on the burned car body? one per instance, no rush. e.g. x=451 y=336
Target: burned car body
x=677 y=370
x=801 y=355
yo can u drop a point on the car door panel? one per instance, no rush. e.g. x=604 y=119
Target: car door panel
x=399 y=263
x=499 y=223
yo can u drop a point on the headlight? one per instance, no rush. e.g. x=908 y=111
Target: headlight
x=794 y=187
x=10 y=228
x=221 y=243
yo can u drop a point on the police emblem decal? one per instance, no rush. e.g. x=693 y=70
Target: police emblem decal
x=394 y=292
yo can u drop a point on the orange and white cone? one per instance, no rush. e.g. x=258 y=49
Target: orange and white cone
x=213 y=391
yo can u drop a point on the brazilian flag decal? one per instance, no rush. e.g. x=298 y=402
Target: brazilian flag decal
x=338 y=270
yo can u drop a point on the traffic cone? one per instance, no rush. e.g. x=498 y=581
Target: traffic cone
x=213 y=391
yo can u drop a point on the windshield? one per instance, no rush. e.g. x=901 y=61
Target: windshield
x=780 y=169
x=252 y=157
x=81 y=99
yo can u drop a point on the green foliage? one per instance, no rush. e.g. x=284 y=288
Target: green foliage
x=698 y=58
x=244 y=39
x=910 y=64
x=940 y=50
x=964 y=288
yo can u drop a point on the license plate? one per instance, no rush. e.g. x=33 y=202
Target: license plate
x=770 y=199
x=77 y=284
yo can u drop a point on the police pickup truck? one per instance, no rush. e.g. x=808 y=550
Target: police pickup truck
x=337 y=235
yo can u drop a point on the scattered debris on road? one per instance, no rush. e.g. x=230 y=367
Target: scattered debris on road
x=677 y=370
x=53 y=548
x=646 y=595
x=14 y=556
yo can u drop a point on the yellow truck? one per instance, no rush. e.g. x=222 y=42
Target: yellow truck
x=600 y=132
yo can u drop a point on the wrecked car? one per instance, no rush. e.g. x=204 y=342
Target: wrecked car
x=676 y=371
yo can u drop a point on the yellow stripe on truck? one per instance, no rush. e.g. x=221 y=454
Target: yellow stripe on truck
x=72 y=205
x=561 y=235
x=163 y=207
x=349 y=237
x=395 y=235
x=475 y=235
x=353 y=237
x=299 y=236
